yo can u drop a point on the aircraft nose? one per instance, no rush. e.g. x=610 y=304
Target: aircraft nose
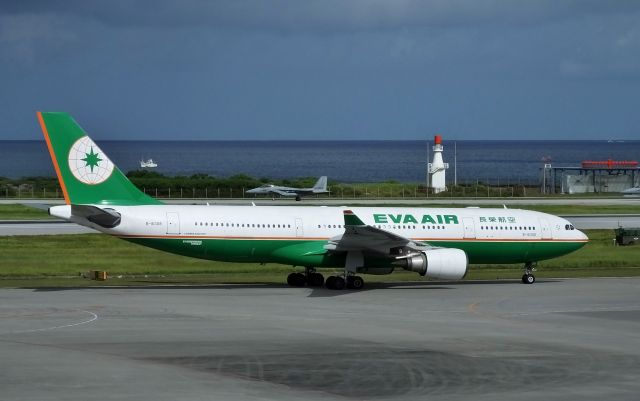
x=582 y=236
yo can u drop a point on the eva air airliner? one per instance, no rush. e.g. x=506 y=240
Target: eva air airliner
x=438 y=243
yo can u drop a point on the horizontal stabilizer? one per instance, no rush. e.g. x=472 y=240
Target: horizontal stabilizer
x=107 y=217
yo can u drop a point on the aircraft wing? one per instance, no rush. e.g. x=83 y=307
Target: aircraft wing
x=359 y=236
x=282 y=192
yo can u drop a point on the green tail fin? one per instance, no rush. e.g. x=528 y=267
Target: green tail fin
x=85 y=173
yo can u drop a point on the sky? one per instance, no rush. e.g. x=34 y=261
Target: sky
x=323 y=69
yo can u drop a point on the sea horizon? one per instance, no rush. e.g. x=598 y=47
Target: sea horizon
x=360 y=160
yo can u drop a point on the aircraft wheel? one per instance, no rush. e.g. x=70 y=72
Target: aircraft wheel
x=338 y=283
x=355 y=282
x=296 y=280
x=315 y=280
x=528 y=279
x=330 y=282
x=298 y=198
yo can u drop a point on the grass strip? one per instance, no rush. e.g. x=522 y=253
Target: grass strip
x=61 y=259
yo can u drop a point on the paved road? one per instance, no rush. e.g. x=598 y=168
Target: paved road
x=555 y=340
x=584 y=222
x=55 y=227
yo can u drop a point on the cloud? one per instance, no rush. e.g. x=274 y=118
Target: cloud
x=321 y=16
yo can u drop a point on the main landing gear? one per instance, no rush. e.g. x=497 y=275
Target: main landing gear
x=528 y=277
x=312 y=278
x=339 y=283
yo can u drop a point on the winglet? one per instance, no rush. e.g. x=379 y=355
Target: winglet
x=350 y=219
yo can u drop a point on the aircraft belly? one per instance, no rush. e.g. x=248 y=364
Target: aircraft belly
x=312 y=252
x=500 y=252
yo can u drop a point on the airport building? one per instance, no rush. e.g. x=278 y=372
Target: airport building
x=591 y=177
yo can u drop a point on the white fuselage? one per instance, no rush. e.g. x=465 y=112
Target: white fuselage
x=326 y=222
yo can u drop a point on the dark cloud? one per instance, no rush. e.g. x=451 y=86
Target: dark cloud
x=328 y=69
x=328 y=16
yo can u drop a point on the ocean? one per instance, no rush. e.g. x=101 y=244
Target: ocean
x=343 y=161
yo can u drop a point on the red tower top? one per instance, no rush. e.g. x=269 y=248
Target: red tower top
x=437 y=140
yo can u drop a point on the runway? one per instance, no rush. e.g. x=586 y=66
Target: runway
x=556 y=340
x=39 y=227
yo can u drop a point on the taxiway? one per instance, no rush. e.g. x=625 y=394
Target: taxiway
x=563 y=340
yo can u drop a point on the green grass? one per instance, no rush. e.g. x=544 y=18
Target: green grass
x=51 y=261
x=21 y=212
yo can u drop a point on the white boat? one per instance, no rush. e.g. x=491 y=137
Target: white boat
x=148 y=163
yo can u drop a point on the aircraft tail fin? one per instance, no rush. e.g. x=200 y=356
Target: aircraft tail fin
x=321 y=184
x=85 y=173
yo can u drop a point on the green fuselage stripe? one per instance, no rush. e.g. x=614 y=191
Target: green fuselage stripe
x=304 y=252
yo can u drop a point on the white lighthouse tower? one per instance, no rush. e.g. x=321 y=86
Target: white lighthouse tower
x=436 y=169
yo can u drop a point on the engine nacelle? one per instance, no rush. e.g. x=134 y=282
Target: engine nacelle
x=444 y=263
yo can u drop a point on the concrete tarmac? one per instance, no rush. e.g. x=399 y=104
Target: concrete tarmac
x=574 y=339
x=53 y=227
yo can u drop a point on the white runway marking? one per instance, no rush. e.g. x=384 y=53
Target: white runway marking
x=94 y=317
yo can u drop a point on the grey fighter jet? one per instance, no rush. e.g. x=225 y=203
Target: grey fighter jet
x=320 y=187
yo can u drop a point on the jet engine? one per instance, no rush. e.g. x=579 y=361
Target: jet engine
x=441 y=263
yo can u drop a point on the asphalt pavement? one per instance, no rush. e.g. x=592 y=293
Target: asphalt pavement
x=573 y=339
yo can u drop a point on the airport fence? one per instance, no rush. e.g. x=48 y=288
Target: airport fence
x=338 y=191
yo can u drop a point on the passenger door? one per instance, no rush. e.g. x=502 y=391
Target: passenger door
x=299 y=229
x=545 y=229
x=173 y=223
x=469 y=227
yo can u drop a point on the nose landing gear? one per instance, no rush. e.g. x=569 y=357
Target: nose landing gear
x=528 y=277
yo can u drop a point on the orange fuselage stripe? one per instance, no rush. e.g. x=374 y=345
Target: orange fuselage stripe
x=53 y=158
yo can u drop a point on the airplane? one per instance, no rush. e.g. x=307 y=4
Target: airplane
x=438 y=243
x=632 y=191
x=320 y=187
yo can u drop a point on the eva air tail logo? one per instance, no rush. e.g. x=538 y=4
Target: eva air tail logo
x=88 y=163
